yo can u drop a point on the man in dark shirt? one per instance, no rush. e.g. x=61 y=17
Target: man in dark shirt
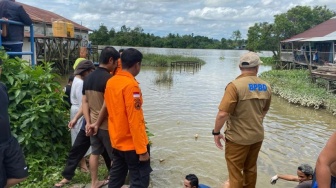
x=13 y=42
x=93 y=99
x=13 y=168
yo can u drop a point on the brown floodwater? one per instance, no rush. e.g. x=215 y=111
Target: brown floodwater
x=175 y=112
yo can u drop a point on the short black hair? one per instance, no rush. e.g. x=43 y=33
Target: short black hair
x=107 y=53
x=192 y=178
x=130 y=57
x=71 y=78
x=306 y=169
x=121 y=50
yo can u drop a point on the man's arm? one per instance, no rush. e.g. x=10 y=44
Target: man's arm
x=221 y=118
x=86 y=110
x=226 y=106
x=133 y=104
x=324 y=162
x=4 y=28
x=288 y=177
x=74 y=120
x=101 y=117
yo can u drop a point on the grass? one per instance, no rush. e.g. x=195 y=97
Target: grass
x=267 y=60
x=296 y=87
x=156 y=60
x=164 y=78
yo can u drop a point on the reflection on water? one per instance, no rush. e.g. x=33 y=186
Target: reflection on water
x=187 y=106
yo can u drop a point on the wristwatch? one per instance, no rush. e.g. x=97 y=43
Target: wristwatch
x=215 y=134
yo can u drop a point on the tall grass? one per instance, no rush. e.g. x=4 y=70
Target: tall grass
x=156 y=60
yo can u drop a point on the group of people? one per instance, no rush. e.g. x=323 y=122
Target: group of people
x=106 y=115
x=242 y=109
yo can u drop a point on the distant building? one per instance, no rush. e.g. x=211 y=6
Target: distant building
x=43 y=20
x=301 y=47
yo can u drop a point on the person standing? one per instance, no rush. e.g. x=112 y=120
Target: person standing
x=13 y=41
x=243 y=107
x=93 y=99
x=13 y=168
x=126 y=124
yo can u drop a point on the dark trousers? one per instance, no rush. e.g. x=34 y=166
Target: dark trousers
x=13 y=48
x=77 y=152
x=125 y=161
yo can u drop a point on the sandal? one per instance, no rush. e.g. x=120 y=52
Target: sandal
x=61 y=183
x=104 y=182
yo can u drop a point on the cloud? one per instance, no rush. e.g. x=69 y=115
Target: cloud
x=211 y=18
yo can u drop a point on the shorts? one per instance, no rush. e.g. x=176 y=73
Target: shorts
x=100 y=142
x=12 y=162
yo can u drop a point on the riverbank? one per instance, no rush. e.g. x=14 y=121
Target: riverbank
x=296 y=87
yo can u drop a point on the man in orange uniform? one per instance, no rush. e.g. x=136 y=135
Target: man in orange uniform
x=244 y=105
x=126 y=124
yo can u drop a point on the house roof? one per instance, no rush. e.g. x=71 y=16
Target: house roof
x=39 y=16
x=322 y=32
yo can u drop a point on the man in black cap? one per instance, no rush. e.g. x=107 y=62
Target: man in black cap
x=13 y=168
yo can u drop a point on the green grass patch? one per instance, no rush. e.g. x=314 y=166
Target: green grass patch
x=296 y=87
x=156 y=60
x=268 y=60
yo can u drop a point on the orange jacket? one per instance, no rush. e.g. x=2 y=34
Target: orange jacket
x=118 y=68
x=126 y=123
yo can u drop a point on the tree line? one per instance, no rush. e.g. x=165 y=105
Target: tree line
x=136 y=37
x=260 y=36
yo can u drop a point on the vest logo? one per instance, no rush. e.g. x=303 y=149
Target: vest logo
x=259 y=87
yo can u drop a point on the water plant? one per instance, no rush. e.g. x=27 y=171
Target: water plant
x=296 y=87
x=157 y=60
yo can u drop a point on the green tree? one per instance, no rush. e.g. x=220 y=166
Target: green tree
x=236 y=38
x=100 y=36
x=265 y=36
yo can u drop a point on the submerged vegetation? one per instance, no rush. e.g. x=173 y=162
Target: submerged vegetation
x=296 y=87
x=164 y=78
x=156 y=60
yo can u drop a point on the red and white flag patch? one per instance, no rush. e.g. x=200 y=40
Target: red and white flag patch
x=136 y=94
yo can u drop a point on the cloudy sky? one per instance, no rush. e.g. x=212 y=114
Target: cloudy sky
x=212 y=18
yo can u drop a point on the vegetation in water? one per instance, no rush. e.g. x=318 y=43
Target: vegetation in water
x=156 y=60
x=296 y=87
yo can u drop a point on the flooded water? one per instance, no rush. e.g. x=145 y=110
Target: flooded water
x=176 y=112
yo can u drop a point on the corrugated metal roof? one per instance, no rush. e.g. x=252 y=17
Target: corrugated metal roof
x=322 y=32
x=39 y=15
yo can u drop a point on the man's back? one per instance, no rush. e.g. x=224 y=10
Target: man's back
x=93 y=89
x=14 y=12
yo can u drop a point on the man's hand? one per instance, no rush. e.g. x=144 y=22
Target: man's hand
x=144 y=157
x=91 y=129
x=217 y=139
x=72 y=123
x=274 y=179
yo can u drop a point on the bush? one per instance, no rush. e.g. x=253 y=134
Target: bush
x=37 y=112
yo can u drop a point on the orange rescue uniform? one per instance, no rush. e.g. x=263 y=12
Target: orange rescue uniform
x=126 y=123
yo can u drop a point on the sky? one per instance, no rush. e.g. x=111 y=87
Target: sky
x=215 y=19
